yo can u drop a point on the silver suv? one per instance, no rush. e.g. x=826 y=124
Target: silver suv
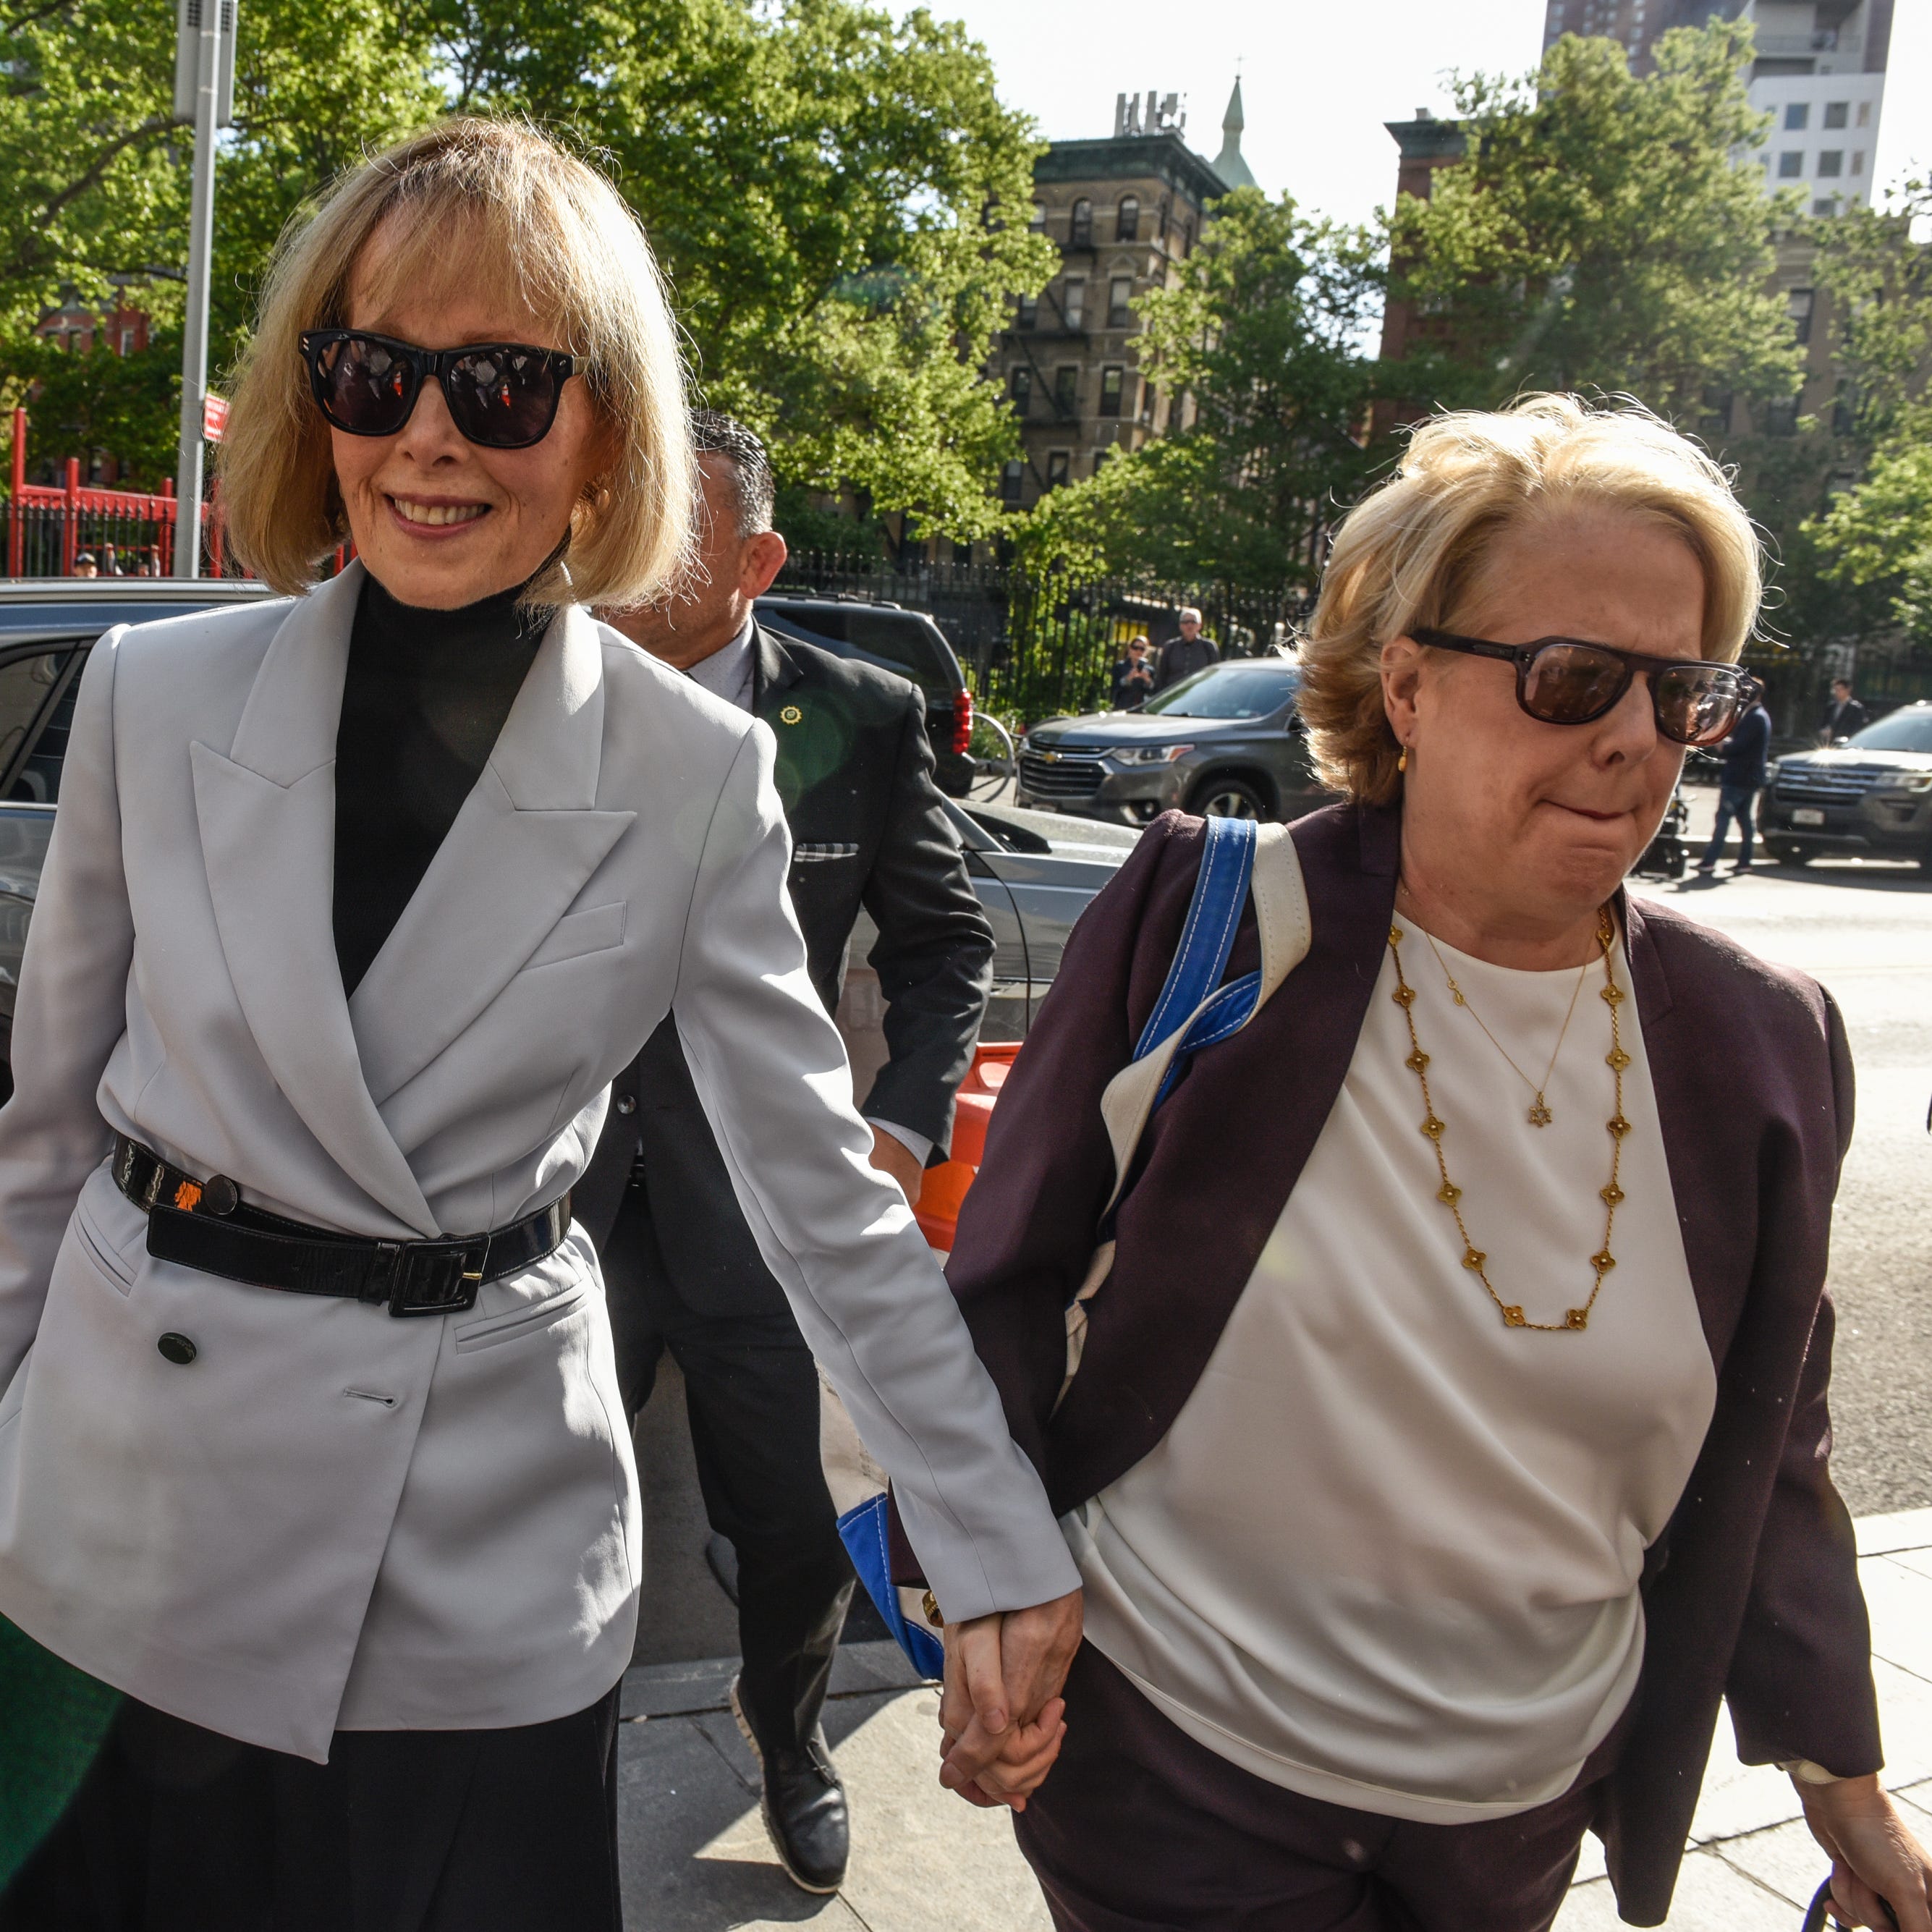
x=1869 y=798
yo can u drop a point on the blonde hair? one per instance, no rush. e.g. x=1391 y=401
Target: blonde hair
x=1412 y=551
x=474 y=198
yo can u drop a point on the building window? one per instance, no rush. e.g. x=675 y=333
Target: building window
x=1080 y=230
x=1147 y=406
x=1858 y=160
x=1798 y=305
x=1864 y=113
x=1837 y=113
x=1028 y=313
x=1128 y=228
x=1067 y=389
x=1120 y=294
x=1825 y=206
x=1716 y=419
x=1073 y=302
x=1100 y=456
x=1186 y=239
x=1019 y=387
x=1058 y=465
x=127 y=338
x=1111 y=380
x=1831 y=161
x=1844 y=408
x=1790 y=164
x=1779 y=418
x=1797 y=116
x=1013 y=483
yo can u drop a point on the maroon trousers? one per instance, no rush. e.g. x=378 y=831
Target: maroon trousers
x=1139 y=1829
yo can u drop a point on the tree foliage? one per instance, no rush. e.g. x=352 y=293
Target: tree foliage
x=1259 y=334
x=1600 y=234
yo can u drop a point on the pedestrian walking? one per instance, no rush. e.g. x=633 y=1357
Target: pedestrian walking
x=1486 y=1445
x=1187 y=653
x=1740 y=781
x=1131 y=683
x=311 y=1443
x=682 y=1269
x=1843 y=715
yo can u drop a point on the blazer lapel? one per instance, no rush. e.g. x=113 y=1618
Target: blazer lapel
x=266 y=811
x=527 y=839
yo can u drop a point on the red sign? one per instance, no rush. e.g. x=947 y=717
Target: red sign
x=214 y=416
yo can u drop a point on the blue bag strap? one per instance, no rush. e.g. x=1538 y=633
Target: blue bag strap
x=1207 y=937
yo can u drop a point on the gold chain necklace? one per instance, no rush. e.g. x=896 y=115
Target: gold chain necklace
x=1451 y=1195
x=1539 y=1115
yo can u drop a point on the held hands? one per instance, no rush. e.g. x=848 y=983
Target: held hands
x=1876 y=1861
x=1001 y=1713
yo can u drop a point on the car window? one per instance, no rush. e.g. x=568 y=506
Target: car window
x=1903 y=731
x=1228 y=690
x=26 y=685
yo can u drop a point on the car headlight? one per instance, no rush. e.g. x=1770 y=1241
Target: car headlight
x=1917 y=781
x=1148 y=754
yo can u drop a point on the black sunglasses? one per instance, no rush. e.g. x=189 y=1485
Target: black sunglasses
x=1564 y=681
x=503 y=395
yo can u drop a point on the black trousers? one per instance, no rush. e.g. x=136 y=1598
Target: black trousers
x=177 y=1829
x=752 y=1390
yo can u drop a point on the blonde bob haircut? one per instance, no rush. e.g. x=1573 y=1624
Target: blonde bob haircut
x=472 y=203
x=1413 y=551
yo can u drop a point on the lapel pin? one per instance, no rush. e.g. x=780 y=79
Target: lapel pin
x=790 y=714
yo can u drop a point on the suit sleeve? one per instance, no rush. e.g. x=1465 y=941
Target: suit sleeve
x=1800 y=1678
x=70 y=1013
x=934 y=952
x=771 y=1075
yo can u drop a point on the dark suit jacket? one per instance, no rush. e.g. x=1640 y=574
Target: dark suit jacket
x=869 y=828
x=1752 y=1592
x=1837 y=724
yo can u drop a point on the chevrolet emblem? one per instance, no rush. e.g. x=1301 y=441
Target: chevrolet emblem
x=1050 y=757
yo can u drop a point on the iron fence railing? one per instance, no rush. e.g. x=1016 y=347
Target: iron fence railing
x=1036 y=647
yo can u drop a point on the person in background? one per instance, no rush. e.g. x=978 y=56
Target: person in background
x=1187 y=653
x=1133 y=677
x=1744 y=755
x=1453 y=1429
x=86 y=564
x=1843 y=716
x=682 y=1269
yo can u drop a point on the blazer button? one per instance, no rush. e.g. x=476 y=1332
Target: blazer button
x=177 y=1348
x=627 y=1103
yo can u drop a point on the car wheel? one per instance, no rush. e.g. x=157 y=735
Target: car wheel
x=1227 y=798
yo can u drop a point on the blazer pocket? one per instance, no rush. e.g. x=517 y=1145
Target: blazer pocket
x=817 y=852
x=515 y=1323
x=98 y=1249
x=595 y=930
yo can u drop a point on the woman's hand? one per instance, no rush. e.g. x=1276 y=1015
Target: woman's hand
x=1876 y=1861
x=1002 y=1672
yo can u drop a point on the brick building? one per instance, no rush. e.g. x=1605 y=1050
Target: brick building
x=1125 y=212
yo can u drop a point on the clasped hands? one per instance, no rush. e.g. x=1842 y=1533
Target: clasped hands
x=1001 y=1713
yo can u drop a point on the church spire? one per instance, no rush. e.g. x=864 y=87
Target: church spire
x=1228 y=163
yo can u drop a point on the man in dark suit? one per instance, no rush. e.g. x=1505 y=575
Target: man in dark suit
x=1181 y=657
x=1843 y=716
x=869 y=830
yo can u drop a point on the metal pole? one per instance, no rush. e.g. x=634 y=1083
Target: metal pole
x=194 y=336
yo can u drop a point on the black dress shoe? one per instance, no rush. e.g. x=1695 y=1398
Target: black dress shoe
x=803 y=1807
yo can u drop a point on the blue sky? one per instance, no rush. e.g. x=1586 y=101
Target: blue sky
x=1321 y=76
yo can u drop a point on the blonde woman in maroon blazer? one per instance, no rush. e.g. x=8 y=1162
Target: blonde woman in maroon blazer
x=1451 y=1435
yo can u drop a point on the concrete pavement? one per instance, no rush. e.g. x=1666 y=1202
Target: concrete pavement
x=696 y=1858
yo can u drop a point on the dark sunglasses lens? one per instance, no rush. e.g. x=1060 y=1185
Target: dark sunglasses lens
x=1697 y=704
x=505 y=398
x=1570 y=684
x=368 y=389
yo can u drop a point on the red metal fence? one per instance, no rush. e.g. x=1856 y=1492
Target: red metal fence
x=128 y=532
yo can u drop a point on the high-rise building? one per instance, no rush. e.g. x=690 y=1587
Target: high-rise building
x=1820 y=71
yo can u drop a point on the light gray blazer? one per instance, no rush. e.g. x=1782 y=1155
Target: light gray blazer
x=332 y=1518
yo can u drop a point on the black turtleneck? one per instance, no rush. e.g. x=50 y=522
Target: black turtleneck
x=426 y=696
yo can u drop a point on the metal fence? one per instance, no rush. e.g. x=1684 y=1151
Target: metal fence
x=1036 y=647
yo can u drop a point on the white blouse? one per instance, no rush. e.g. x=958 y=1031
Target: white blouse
x=1388 y=1554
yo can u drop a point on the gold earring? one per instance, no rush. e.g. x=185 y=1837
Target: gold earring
x=1402 y=764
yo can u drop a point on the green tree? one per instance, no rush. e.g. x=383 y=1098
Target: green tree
x=94 y=399
x=1599 y=233
x=1255 y=345
x=1878 y=536
x=827 y=188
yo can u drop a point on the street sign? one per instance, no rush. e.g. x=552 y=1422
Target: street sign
x=214 y=416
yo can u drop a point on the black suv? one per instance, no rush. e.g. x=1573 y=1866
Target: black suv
x=1869 y=798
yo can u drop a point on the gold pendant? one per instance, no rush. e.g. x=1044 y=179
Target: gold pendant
x=1539 y=1115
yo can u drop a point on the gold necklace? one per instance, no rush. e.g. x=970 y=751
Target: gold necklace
x=1539 y=1115
x=1451 y=1195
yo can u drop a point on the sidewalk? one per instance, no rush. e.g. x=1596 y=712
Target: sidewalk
x=696 y=1859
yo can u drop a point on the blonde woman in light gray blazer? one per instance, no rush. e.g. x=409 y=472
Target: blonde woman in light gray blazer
x=362 y=1554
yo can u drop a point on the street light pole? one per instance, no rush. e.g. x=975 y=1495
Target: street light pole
x=204 y=94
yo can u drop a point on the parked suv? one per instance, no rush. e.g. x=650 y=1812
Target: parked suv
x=908 y=643
x=1226 y=742
x=1869 y=798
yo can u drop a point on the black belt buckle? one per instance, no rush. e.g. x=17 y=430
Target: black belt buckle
x=434 y=1277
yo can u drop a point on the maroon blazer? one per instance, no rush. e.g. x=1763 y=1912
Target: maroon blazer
x=1752 y=1591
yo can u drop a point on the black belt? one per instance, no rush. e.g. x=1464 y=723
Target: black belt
x=204 y=1225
